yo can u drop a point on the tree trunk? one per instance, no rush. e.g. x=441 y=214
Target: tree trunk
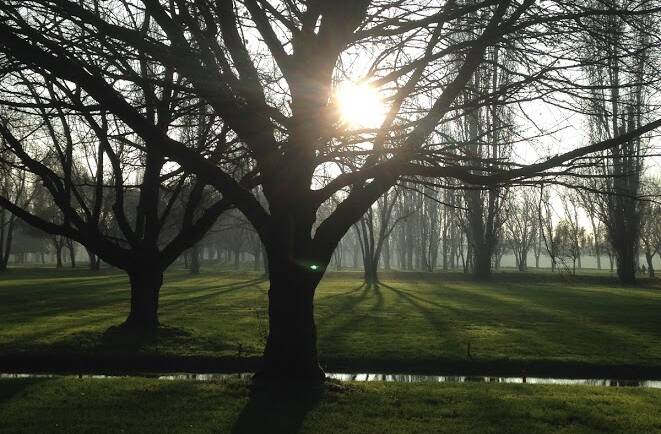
x=95 y=261
x=291 y=346
x=522 y=261
x=257 y=258
x=371 y=276
x=6 y=241
x=409 y=253
x=72 y=253
x=265 y=259
x=58 y=256
x=481 y=264
x=145 y=287
x=626 y=261
x=195 y=260
x=237 y=259
x=650 y=266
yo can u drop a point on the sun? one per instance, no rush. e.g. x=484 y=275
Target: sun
x=360 y=105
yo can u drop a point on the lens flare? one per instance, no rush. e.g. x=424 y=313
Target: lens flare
x=360 y=105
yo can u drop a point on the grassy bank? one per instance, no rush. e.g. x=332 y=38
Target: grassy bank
x=413 y=321
x=142 y=405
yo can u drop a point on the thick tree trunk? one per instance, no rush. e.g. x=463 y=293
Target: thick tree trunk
x=626 y=261
x=371 y=276
x=291 y=347
x=481 y=264
x=145 y=287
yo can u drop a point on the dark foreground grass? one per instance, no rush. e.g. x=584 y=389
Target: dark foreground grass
x=70 y=405
x=412 y=322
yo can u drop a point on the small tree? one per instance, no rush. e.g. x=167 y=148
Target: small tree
x=568 y=239
x=522 y=226
x=650 y=228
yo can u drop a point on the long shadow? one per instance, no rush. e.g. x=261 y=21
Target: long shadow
x=216 y=287
x=380 y=300
x=432 y=317
x=174 y=299
x=349 y=292
x=277 y=408
x=11 y=388
x=337 y=329
x=603 y=326
x=114 y=340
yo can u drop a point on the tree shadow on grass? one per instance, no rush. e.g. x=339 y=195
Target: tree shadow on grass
x=10 y=389
x=127 y=340
x=117 y=339
x=337 y=324
x=277 y=407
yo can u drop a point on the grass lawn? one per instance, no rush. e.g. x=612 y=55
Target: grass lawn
x=70 y=405
x=413 y=322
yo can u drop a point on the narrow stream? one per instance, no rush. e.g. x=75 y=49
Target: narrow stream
x=388 y=378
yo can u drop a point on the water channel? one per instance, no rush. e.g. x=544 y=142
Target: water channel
x=389 y=378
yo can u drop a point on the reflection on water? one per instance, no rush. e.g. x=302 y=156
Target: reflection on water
x=389 y=378
x=403 y=378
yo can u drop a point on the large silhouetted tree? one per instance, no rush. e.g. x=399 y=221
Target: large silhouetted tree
x=268 y=70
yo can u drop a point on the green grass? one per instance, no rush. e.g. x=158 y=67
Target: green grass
x=70 y=405
x=413 y=321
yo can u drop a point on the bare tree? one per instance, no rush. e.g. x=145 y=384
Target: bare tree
x=591 y=208
x=13 y=185
x=547 y=227
x=573 y=229
x=373 y=230
x=522 y=225
x=650 y=228
x=79 y=161
x=618 y=67
x=268 y=71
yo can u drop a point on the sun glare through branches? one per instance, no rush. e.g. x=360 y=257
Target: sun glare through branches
x=360 y=105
